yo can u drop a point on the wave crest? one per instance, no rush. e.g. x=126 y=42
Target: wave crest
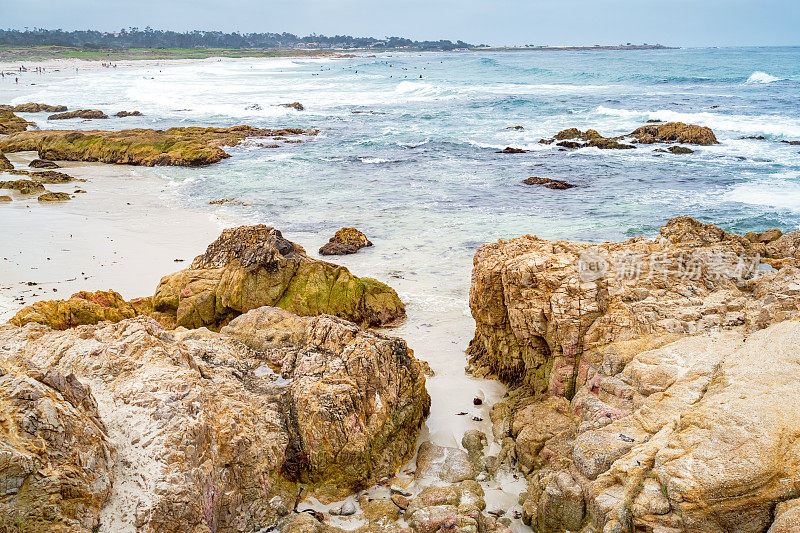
x=762 y=77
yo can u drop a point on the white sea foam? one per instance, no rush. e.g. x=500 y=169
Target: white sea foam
x=762 y=77
x=738 y=124
x=779 y=191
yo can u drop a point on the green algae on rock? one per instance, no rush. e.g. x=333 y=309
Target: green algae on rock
x=5 y=164
x=252 y=266
x=11 y=123
x=346 y=241
x=80 y=309
x=183 y=146
x=675 y=132
x=78 y=113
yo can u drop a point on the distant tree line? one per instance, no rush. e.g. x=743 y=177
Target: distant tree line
x=150 y=38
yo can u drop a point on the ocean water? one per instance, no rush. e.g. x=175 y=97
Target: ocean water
x=407 y=149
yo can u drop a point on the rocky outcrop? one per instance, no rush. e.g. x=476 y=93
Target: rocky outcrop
x=185 y=146
x=32 y=107
x=252 y=266
x=219 y=431
x=5 y=199
x=674 y=132
x=41 y=163
x=510 y=150
x=122 y=114
x=346 y=241
x=54 y=197
x=297 y=106
x=56 y=461
x=81 y=308
x=45 y=176
x=647 y=378
x=680 y=150
x=78 y=113
x=11 y=123
x=549 y=183
x=5 y=164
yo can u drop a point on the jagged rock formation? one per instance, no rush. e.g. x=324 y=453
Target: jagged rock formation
x=649 y=377
x=122 y=114
x=55 y=458
x=346 y=241
x=245 y=268
x=217 y=431
x=670 y=132
x=185 y=146
x=252 y=266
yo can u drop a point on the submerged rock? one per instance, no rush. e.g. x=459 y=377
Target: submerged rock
x=122 y=114
x=252 y=266
x=297 y=106
x=220 y=430
x=5 y=199
x=675 y=132
x=41 y=163
x=78 y=113
x=346 y=241
x=54 y=197
x=184 y=146
x=510 y=150
x=549 y=183
x=680 y=150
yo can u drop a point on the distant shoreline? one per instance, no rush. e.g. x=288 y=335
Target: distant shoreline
x=39 y=53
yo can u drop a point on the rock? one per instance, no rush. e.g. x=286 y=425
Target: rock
x=675 y=132
x=41 y=163
x=184 y=146
x=45 y=176
x=443 y=463
x=791 y=143
x=380 y=510
x=510 y=150
x=23 y=186
x=575 y=133
x=400 y=501
x=78 y=191
x=764 y=237
x=549 y=183
x=570 y=144
x=5 y=199
x=81 y=308
x=787 y=517
x=5 y=164
x=785 y=246
x=56 y=461
x=654 y=121
x=78 y=113
x=609 y=144
x=211 y=427
x=223 y=201
x=11 y=123
x=518 y=128
x=297 y=106
x=252 y=266
x=54 y=197
x=650 y=379
x=31 y=107
x=754 y=138
x=680 y=150
x=346 y=241
x=122 y=114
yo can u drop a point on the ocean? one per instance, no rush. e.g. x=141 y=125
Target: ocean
x=407 y=153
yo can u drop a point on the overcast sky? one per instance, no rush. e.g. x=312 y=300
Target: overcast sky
x=553 y=22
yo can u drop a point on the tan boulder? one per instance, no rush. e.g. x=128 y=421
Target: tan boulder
x=675 y=132
x=218 y=431
x=56 y=460
x=346 y=241
x=5 y=164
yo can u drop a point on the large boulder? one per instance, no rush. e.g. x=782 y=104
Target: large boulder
x=11 y=123
x=221 y=431
x=56 y=460
x=674 y=132
x=5 y=164
x=252 y=266
x=183 y=146
x=649 y=378
x=345 y=241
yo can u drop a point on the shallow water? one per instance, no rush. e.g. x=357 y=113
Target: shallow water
x=411 y=161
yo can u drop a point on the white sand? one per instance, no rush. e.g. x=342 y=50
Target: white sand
x=122 y=234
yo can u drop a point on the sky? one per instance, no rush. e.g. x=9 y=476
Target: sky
x=498 y=22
